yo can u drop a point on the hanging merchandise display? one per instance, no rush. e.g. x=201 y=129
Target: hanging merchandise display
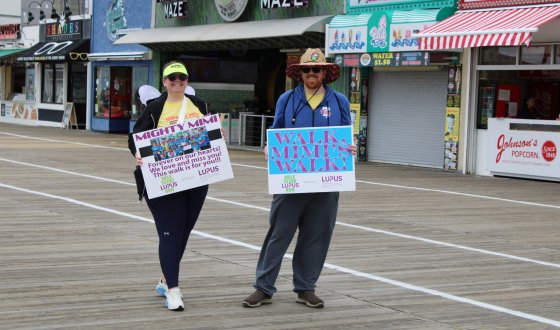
x=452 y=114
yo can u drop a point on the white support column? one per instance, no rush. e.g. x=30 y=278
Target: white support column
x=89 y=75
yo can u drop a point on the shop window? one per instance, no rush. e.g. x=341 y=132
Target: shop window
x=30 y=83
x=102 y=91
x=498 y=55
x=53 y=83
x=486 y=103
x=78 y=83
x=16 y=83
x=113 y=89
x=221 y=71
x=536 y=55
x=18 y=80
x=525 y=94
x=121 y=92
x=557 y=60
x=140 y=76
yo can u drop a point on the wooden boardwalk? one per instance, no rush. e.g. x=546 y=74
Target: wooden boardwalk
x=414 y=248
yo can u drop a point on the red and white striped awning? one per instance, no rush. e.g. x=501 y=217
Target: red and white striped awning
x=491 y=27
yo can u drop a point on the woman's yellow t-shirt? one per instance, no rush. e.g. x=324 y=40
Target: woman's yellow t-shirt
x=171 y=111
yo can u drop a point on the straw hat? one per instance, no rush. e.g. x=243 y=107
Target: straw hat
x=314 y=57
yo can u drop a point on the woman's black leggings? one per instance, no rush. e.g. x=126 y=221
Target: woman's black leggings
x=175 y=216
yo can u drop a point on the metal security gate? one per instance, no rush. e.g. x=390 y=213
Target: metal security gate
x=407 y=117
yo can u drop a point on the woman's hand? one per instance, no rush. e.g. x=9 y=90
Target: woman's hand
x=223 y=134
x=138 y=158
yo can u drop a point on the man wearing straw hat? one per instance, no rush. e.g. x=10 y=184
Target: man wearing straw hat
x=311 y=104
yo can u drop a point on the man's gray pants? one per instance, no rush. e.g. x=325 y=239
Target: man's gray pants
x=315 y=216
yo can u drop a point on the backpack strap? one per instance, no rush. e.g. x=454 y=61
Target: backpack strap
x=286 y=106
x=339 y=108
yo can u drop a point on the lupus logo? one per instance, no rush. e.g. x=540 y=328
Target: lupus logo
x=290 y=183
x=326 y=112
x=168 y=184
x=331 y=178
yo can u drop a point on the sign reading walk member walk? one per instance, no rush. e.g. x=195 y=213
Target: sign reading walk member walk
x=308 y=160
x=183 y=156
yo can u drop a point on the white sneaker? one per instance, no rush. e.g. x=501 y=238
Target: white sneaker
x=161 y=288
x=174 y=300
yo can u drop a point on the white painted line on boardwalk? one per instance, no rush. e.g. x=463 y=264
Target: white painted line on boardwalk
x=62 y=141
x=460 y=194
x=445 y=295
x=357 y=181
x=457 y=246
x=54 y=169
x=380 y=231
x=345 y=270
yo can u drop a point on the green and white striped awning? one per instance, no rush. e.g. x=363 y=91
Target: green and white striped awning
x=340 y=21
x=8 y=52
x=415 y=16
x=381 y=30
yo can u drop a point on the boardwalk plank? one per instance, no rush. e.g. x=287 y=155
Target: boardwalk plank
x=70 y=266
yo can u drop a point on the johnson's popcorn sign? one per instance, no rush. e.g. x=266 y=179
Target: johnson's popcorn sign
x=524 y=147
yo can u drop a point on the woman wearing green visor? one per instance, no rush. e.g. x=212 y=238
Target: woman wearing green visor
x=176 y=214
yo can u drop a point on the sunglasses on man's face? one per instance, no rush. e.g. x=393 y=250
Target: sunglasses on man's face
x=175 y=76
x=306 y=69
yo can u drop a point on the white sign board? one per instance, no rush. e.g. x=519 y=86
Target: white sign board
x=183 y=156
x=307 y=160
x=524 y=147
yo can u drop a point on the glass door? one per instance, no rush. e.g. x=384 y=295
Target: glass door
x=121 y=92
x=487 y=104
x=77 y=91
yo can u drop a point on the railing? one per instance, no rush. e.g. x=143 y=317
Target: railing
x=247 y=130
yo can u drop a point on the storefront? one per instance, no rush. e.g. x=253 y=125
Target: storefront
x=56 y=74
x=402 y=97
x=118 y=70
x=13 y=88
x=236 y=51
x=515 y=85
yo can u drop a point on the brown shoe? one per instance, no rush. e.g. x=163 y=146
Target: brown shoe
x=256 y=299
x=310 y=299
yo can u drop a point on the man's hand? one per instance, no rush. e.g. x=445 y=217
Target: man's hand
x=354 y=148
x=265 y=150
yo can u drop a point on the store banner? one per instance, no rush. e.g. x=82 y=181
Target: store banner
x=308 y=160
x=183 y=156
x=355 y=115
x=452 y=116
x=381 y=31
x=451 y=139
x=348 y=34
x=19 y=110
x=9 y=31
x=390 y=59
x=515 y=146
